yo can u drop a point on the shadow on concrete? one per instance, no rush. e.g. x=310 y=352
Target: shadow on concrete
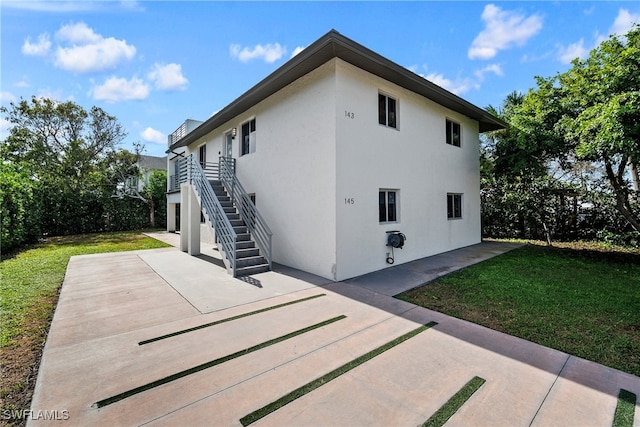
x=251 y=280
x=212 y=260
x=378 y=289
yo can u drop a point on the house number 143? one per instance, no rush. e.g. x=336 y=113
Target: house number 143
x=349 y=114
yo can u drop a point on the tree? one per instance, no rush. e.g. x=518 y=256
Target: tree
x=60 y=140
x=598 y=104
x=122 y=173
x=156 y=193
x=580 y=127
x=61 y=146
x=20 y=209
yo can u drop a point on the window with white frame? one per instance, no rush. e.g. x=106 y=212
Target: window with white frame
x=453 y=133
x=387 y=111
x=388 y=205
x=248 y=137
x=454 y=206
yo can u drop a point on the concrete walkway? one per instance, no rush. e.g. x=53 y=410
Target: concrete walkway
x=192 y=314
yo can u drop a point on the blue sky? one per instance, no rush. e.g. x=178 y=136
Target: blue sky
x=155 y=64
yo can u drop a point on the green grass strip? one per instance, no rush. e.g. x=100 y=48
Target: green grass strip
x=318 y=382
x=173 y=377
x=623 y=416
x=447 y=410
x=229 y=319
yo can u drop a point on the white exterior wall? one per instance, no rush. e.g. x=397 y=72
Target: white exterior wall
x=321 y=157
x=413 y=159
x=292 y=171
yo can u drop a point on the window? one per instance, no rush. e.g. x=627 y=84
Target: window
x=387 y=111
x=249 y=137
x=388 y=205
x=454 y=206
x=202 y=155
x=453 y=133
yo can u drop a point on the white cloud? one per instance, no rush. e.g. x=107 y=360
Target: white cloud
x=7 y=97
x=573 y=51
x=116 y=89
x=54 y=95
x=493 y=68
x=168 y=77
x=458 y=86
x=78 y=33
x=154 y=136
x=269 y=53
x=624 y=22
x=88 y=51
x=61 y=6
x=503 y=29
x=23 y=83
x=5 y=126
x=297 y=50
x=39 y=48
x=132 y=5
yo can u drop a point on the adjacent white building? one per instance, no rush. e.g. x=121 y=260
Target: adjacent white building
x=340 y=146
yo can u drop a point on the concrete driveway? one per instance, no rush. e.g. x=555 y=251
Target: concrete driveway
x=161 y=338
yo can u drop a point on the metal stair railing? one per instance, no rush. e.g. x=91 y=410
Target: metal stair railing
x=256 y=224
x=181 y=174
x=226 y=236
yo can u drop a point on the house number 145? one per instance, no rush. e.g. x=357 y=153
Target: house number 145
x=350 y=201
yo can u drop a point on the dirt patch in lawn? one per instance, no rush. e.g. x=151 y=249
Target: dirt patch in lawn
x=21 y=361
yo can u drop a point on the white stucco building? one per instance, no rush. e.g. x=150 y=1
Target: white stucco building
x=338 y=147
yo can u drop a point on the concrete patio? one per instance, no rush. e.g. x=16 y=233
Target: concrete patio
x=111 y=303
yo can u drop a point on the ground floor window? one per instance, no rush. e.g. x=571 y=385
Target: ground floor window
x=454 y=206
x=388 y=205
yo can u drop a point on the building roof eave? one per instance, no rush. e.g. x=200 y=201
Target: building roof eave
x=335 y=45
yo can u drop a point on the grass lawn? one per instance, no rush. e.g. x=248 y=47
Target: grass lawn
x=583 y=301
x=30 y=282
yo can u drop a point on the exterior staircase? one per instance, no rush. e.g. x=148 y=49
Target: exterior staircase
x=249 y=260
x=242 y=235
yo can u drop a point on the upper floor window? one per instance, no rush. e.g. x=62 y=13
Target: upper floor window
x=387 y=111
x=388 y=205
x=202 y=155
x=454 y=206
x=453 y=133
x=248 y=137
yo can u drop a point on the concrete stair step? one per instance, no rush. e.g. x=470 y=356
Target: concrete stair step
x=250 y=261
x=254 y=269
x=247 y=253
x=246 y=244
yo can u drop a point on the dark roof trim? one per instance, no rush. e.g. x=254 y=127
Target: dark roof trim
x=335 y=45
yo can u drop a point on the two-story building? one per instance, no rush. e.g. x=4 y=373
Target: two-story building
x=339 y=148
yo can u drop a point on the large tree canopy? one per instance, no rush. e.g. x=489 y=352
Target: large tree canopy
x=590 y=113
x=61 y=168
x=60 y=140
